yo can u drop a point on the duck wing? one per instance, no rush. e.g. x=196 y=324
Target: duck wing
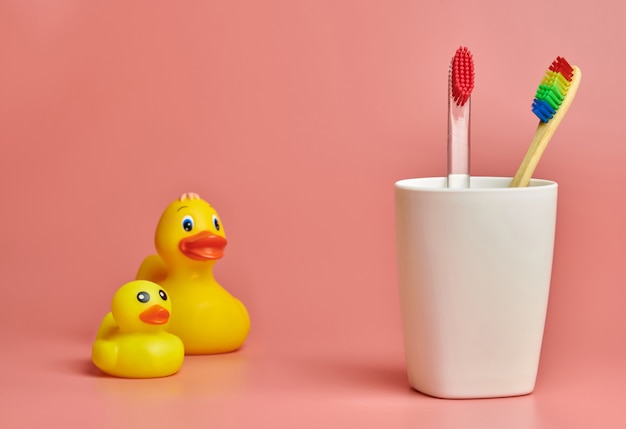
x=153 y=269
x=104 y=354
x=107 y=327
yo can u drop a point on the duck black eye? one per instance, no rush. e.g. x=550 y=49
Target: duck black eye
x=163 y=295
x=143 y=297
x=187 y=223
x=216 y=223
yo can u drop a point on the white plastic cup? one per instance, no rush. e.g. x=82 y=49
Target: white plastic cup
x=474 y=268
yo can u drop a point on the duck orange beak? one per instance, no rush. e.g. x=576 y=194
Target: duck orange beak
x=203 y=246
x=155 y=315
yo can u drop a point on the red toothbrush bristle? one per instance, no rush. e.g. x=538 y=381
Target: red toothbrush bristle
x=560 y=65
x=462 y=76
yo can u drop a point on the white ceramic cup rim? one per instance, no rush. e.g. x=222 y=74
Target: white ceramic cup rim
x=477 y=184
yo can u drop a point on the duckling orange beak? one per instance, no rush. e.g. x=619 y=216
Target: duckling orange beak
x=155 y=315
x=203 y=246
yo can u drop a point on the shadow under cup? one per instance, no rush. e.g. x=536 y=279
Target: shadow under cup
x=474 y=268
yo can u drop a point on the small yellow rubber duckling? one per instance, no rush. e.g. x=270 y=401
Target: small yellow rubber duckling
x=189 y=240
x=131 y=341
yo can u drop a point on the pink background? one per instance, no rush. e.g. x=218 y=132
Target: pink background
x=294 y=119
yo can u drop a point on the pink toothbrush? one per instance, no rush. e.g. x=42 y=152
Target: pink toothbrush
x=460 y=86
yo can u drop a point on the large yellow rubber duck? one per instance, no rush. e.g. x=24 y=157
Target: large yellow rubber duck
x=189 y=240
x=131 y=341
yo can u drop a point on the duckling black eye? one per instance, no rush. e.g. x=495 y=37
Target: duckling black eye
x=143 y=297
x=187 y=223
x=216 y=223
x=163 y=295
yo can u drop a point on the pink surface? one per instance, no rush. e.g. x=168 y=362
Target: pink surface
x=294 y=119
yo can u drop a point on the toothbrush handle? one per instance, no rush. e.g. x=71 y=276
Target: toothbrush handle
x=458 y=145
x=540 y=141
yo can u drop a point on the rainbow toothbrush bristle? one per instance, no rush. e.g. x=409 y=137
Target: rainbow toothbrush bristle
x=553 y=89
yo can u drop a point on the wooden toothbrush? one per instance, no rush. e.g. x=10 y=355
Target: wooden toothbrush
x=552 y=100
